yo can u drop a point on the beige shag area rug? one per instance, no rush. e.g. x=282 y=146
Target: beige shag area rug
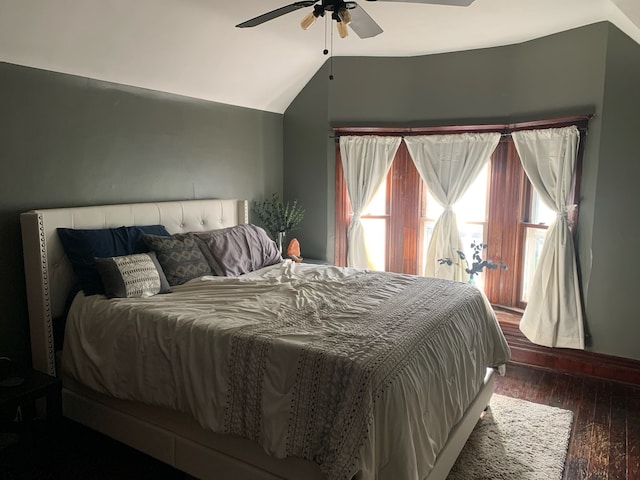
x=516 y=440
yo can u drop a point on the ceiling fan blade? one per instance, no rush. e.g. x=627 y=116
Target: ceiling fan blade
x=456 y=3
x=362 y=23
x=278 y=12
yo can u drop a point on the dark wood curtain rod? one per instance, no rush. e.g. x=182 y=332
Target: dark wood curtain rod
x=580 y=121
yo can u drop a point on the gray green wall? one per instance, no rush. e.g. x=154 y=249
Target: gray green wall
x=613 y=300
x=593 y=69
x=307 y=171
x=69 y=141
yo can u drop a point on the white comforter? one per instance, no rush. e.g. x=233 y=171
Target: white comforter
x=357 y=371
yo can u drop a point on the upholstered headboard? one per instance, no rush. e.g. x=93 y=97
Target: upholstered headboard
x=48 y=273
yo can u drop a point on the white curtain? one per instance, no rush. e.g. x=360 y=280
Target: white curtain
x=449 y=164
x=553 y=316
x=365 y=162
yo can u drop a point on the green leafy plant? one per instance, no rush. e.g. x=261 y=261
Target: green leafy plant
x=478 y=264
x=277 y=216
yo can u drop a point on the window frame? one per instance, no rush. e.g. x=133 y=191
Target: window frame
x=503 y=288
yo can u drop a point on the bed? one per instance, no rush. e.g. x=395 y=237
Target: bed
x=311 y=389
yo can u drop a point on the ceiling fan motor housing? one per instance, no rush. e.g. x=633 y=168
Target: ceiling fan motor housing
x=337 y=5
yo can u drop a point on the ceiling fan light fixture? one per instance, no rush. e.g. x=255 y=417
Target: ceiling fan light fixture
x=343 y=31
x=345 y=16
x=342 y=18
x=308 y=20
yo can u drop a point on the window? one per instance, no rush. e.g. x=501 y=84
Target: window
x=470 y=211
x=535 y=224
x=501 y=209
x=375 y=219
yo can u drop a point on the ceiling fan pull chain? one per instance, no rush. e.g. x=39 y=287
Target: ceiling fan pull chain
x=331 y=58
x=326 y=50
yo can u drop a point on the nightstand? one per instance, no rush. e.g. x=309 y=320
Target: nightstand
x=36 y=385
x=314 y=261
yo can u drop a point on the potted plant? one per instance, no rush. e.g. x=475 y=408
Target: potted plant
x=278 y=218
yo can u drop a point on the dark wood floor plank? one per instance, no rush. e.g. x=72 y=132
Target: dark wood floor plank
x=544 y=389
x=618 y=434
x=561 y=385
x=572 y=402
x=517 y=381
x=598 y=467
x=633 y=432
x=578 y=462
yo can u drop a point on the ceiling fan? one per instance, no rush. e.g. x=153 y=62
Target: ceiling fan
x=343 y=12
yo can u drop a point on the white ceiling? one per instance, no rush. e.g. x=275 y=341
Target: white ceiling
x=192 y=48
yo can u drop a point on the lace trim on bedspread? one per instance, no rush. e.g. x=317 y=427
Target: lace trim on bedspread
x=363 y=348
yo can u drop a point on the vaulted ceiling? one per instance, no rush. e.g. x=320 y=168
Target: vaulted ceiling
x=192 y=48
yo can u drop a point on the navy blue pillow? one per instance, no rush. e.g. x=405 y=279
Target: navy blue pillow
x=83 y=246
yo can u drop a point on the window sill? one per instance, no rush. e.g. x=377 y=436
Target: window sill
x=508 y=315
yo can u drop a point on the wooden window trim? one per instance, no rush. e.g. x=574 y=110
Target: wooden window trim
x=404 y=227
x=343 y=213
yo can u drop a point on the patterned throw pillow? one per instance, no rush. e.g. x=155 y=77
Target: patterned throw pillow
x=180 y=257
x=128 y=276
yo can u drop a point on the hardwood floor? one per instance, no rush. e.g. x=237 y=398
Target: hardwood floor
x=605 y=440
x=604 y=444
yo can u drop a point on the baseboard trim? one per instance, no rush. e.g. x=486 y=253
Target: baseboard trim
x=577 y=362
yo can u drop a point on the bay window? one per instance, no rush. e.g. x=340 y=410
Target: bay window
x=500 y=209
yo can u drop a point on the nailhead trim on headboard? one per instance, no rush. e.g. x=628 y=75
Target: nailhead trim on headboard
x=48 y=273
x=51 y=357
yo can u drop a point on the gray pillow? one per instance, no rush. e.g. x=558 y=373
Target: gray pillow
x=240 y=249
x=127 y=276
x=180 y=257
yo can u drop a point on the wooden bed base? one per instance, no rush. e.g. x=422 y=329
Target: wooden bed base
x=166 y=435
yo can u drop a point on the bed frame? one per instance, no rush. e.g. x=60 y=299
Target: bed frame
x=173 y=438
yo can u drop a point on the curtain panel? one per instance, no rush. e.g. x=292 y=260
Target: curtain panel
x=449 y=164
x=365 y=162
x=553 y=316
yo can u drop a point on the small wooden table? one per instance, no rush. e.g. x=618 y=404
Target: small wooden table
x=36 y=385
x=315 y=261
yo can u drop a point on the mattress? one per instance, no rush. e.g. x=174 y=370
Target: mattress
x=363 y=373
